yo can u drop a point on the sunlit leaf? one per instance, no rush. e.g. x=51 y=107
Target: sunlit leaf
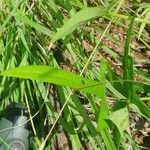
x=121 y=119
x=55 y=76
x=76 y=20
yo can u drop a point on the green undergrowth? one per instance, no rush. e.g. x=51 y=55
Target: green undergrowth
x=66 y=88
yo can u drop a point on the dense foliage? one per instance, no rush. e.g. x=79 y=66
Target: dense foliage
x=80 y=67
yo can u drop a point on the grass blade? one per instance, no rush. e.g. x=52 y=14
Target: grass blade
x=76 y=20
x=102 y=126
x=33 y=24
x=128 y=75
x=128 y=64
x=104 y=111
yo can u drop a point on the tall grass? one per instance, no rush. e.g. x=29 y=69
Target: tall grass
x=66 y=88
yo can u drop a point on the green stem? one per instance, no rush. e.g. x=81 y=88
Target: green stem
x=114 y=14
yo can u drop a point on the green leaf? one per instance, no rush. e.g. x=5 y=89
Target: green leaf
x=147 y=17
x=128 y=65
x=87 y=120
x=33 y=24
x=128 y=38
x=121 y=119
x=104 y=106
x=76 y=20
x=102 y=126
x=55 y=76
x=143 y=108
x=2 y=27
x=128 y=76
x=69 y=119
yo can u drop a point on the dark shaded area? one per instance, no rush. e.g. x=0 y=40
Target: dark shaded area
x=146 y=142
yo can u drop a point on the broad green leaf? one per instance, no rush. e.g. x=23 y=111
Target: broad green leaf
x=76 y=20
x=55 y=76
x=121 y=119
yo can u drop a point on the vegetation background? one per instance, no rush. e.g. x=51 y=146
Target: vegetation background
x=82 y=70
